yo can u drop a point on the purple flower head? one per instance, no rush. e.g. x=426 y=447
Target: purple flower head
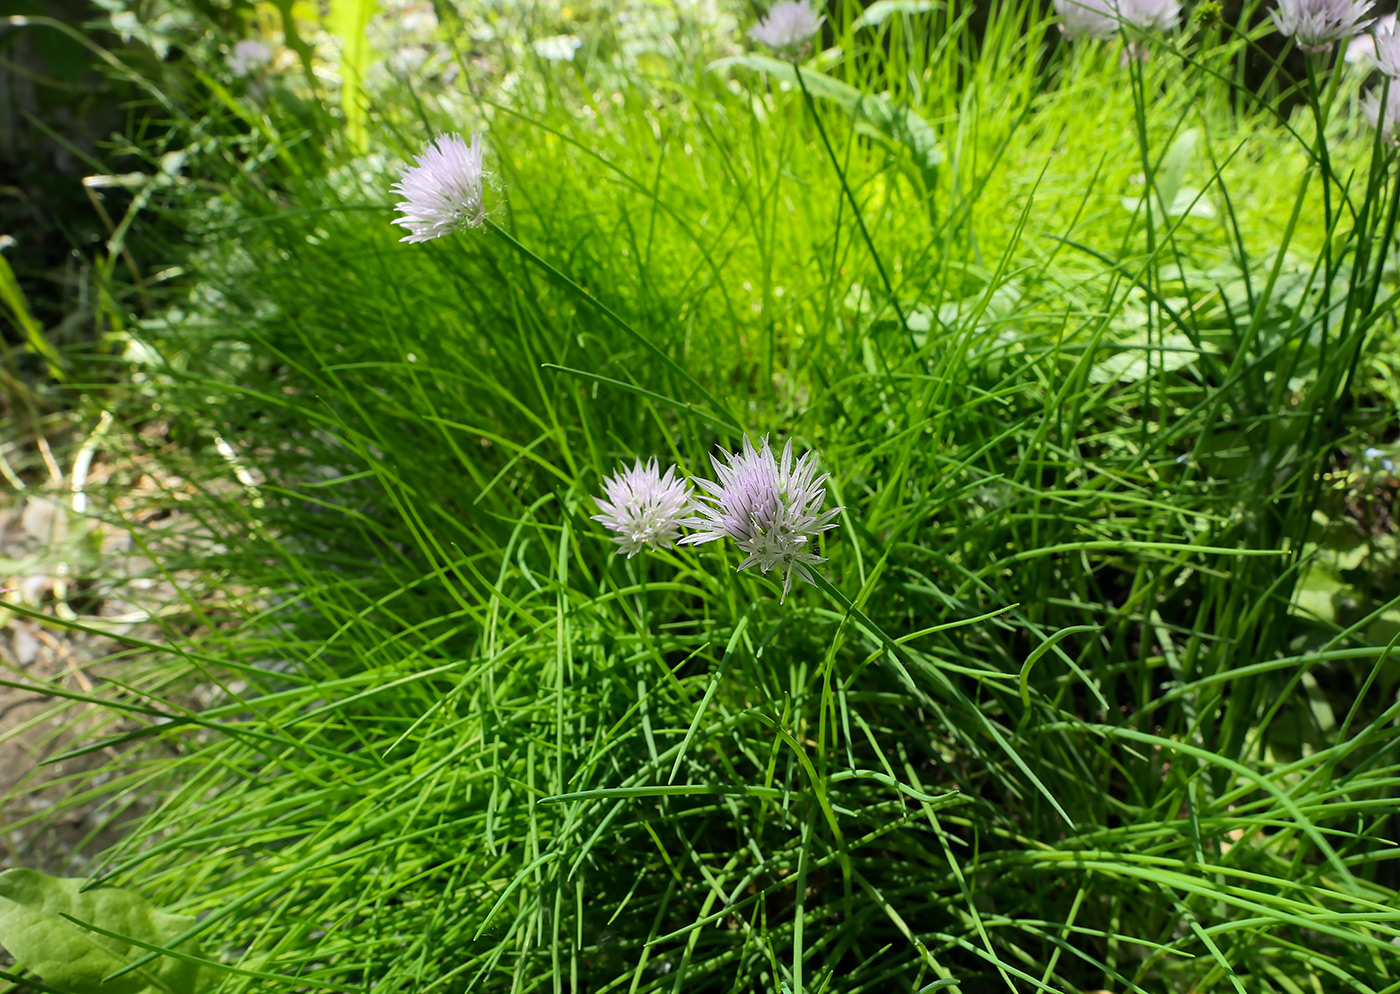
x=644 y=507
x=1385 y=119
x=1362 y=48
x=248 y=55
x=1316 y=24
x=1150 y=15
x=771 y=507
x=1086 y=18
x=1102 y=18
x=788 y=26
x=442 y=189
x=1387 y=50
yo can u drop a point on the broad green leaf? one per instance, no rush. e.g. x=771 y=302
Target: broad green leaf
x=1171 y=171
x=1186 y=203
x=1173 y=195
x=882 y=10
x=873 y=115
x=349 y=20
x=1318 y=593
x=1130 y=363
x=63 y=954
x=1380 y=632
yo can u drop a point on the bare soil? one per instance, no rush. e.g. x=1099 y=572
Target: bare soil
x=66 y=560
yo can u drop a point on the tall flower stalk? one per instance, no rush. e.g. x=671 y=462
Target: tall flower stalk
x=443 y=192
x=785 y=30
x=855 y=210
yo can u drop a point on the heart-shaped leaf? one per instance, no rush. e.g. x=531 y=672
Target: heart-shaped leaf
x=65 y=955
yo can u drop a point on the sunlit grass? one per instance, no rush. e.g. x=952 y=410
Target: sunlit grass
x=471 y=748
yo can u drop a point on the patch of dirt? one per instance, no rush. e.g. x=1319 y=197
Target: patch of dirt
x=61 y=566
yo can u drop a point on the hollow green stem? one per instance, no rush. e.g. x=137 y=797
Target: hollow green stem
x=855 y=207
x=616 y=319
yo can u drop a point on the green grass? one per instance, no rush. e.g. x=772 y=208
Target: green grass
x=1114 y=708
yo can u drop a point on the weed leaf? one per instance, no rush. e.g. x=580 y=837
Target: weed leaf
x=35 y=909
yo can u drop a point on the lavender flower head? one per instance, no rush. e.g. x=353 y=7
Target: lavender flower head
x=770 y=507
x=1387 y=50
x=1101 y=18
x=248 y=55
x=1316 y=24
x=1150 y=15
x=442 y=189
x=788 y=26
x=1362 y=48
x=1086 y=18
x=1385 y=119
x=644 y=507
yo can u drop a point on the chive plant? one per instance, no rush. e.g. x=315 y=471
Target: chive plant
x=1093 y=689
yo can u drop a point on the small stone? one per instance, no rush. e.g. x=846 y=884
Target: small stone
x=24 y=645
